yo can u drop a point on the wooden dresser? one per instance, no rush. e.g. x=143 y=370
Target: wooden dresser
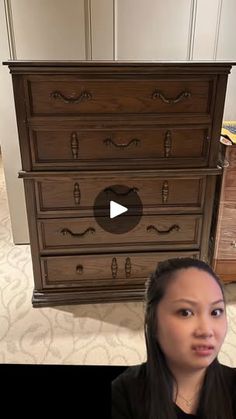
x=224 y=261
x=84 y=126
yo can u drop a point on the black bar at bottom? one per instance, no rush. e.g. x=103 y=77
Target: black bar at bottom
x=84 y=391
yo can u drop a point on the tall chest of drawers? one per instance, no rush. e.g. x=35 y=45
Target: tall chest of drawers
x=84 y=126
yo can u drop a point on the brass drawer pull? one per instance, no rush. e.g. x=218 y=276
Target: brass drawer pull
x=74 y=145
x=165 y=192
x=109 y=141
x=65 y=231
x=167 y=144
x=79 y=269
x=107 y=190
x=154 y=229
x=128 y=268
x=77 y=194
x=114 y=268
x=82 y=97
x=159 y=95
x=233 y=244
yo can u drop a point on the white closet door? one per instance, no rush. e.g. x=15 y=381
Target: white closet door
x=101 y=29
x=206 y=29
x=49 y=29
x=152 y=29
x=226 y=50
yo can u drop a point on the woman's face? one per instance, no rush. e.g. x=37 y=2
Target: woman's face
x=191 y=320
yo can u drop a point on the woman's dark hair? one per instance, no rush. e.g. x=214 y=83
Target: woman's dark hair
x=214 y=402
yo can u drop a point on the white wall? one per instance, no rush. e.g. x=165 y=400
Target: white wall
x=226 y=50
x=215 y=38
x=49 y=29
x=152 y=30
x=36 y=29
x=9 y=142
x=105 y=29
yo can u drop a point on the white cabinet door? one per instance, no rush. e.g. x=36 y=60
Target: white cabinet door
x=152 y=30
x=49 y=29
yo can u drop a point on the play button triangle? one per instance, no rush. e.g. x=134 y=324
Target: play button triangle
x=116 y=209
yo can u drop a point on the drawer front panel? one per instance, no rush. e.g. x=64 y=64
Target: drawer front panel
x=155 y=230
x=74 y=96
x=79 y=193
x=77 y=270
x=75 y=148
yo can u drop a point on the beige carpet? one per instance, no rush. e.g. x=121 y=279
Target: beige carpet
x=99 y=334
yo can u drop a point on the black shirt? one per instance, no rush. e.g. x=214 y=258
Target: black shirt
x=127 y=390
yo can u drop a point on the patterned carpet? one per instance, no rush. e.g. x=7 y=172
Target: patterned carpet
x=99 y=334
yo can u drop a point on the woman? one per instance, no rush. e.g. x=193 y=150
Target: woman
x=185 y=326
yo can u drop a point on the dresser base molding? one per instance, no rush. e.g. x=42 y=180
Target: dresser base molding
x=87 y=296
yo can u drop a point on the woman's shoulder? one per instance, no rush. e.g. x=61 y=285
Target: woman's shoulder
x=131 y=374
x=128 y=393
x=228 y=372
x=229 y=376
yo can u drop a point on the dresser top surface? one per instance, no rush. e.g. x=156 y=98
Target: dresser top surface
x=117 y=63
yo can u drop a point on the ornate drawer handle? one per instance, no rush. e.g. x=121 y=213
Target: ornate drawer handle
x=165 y=192
x=114 y=268
x=233 y=244
x=77 y=194
x=79 y=269
x=109 y=141
x=74 y=145
x=65 y=231
x=121 y=193
x=167 y=144
x=153 y=228
x=159 y=95
x=82 y=97
x=127 y=267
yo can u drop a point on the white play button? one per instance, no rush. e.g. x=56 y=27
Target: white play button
x=116 y=209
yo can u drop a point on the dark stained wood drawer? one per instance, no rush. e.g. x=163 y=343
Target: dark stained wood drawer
x=108 y=269
x=73 y=95
x=79 y=193
x=80 y=147
x=157 y=231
